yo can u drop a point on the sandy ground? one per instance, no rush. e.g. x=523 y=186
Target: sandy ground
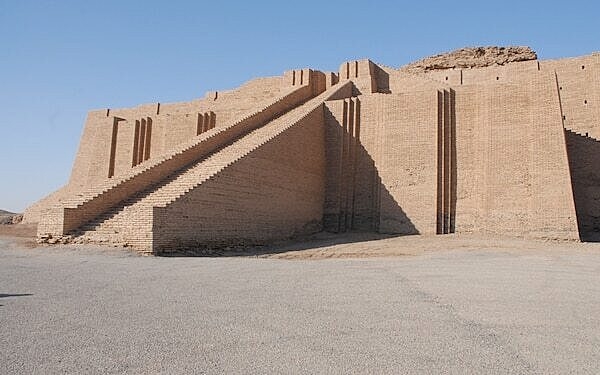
x=352 y=304
x=23 y=234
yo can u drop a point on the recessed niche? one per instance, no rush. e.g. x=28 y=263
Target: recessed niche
x=564 y=117
x=497 y=78
x=585 y=102
x=446 y=78
x=583 y=67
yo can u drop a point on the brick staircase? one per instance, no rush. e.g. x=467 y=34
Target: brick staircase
x=71 y=213
x=131 y=222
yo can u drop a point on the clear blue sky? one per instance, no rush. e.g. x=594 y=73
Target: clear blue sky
x=59 y=59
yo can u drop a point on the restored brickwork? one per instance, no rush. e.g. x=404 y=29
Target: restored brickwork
x=131 y=222
x=458 y=147
x=73 y=212
x=513 y=175
x=276 y=191
x=344 y=160
x=367 y=139
x=579 y=86
x=405 y=154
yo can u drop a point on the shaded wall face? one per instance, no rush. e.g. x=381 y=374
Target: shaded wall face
x=352 y=182
x=584 y=162
x=512 y=169
x=387 y=180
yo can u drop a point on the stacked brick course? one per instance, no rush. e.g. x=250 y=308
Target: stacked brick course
x=508 y=149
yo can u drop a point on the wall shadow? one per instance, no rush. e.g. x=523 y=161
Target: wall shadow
x=584 y=164
x=383 y=81
x=453 y=162
x=314 y=241
x=393 y=220
x=356 y=199
x=4 y=295
x=446 y=162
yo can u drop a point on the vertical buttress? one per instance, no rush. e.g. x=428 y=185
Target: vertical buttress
x=446 y=165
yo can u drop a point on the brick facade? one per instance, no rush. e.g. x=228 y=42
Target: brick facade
x=509 y=149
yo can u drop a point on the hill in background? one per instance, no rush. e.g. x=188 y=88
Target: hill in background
x=7 y=217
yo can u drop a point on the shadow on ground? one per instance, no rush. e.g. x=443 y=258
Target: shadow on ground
x=316 y=241
x=3 y=295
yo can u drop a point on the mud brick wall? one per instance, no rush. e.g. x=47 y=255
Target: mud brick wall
x=382 y=174
x=274 y=192
x=578 y=80
x=512 y=166
x=172 y=125
x=481 y=149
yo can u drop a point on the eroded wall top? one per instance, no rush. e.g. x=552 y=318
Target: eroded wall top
x=472 y=57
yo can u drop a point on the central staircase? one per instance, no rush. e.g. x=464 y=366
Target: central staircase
x=130 y=223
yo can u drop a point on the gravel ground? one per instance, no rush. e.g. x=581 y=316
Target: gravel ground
x=474 y=307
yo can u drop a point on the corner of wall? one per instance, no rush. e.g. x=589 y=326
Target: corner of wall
x=363 y=73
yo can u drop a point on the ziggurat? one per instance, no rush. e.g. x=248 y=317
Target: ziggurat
x=509 y=148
